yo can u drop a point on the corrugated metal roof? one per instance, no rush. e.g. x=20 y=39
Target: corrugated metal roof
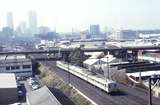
x=91 y=61
x=109 y=59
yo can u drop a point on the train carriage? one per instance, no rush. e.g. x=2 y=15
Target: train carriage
x=106 y=85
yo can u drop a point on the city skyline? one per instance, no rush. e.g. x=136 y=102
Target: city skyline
x=65 y=15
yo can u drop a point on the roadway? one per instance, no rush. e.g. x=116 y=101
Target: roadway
x=128 y=96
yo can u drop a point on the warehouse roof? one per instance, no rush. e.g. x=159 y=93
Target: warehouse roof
x=91 y=61
x=42 y=96
x=7 y=80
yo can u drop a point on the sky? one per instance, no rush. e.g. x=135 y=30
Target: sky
x=79 y=14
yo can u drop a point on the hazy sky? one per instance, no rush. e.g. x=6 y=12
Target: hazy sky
x=65 y=14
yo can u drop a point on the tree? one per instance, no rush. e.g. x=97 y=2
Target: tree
x=77 y=57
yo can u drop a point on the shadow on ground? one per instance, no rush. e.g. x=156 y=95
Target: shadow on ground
x=62 y=98
x=118 y=93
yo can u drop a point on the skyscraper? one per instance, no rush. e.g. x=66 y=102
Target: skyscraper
x=32 y=22
x=10 y=20
x=94 y=31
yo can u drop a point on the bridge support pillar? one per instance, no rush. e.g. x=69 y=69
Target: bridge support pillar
x=135 y=56
x=124 y=55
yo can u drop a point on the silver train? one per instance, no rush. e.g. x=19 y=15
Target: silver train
x=108 y=86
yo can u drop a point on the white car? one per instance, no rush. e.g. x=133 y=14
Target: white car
x=31 y=81
x=35 y=86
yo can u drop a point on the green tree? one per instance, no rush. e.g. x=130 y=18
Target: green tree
x=77 y=57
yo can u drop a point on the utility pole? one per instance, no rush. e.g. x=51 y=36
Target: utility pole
x=150 y=93
x=68 y=74
x=150 y=89
x=68 y=61
x=107 y=68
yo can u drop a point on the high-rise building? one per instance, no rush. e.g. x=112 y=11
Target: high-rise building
x=10 y=20
x=21 y=29
x=94 y=30
x=43 y=30
x=33 y=22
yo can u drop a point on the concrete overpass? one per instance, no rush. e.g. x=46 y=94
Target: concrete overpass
x=120 y=52
x=68 y=50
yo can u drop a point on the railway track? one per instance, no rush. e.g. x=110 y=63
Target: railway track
x=129 y=96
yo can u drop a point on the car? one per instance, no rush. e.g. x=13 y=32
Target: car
x=35 y=86
x=31 y=80
x=20 y=94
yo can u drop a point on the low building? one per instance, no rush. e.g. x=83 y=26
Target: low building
x=20 y=65
x=8 y=89
x=42 y=96
x=90 y=64
x=107 y=59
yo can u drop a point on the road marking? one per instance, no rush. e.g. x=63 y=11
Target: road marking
x=83 y=95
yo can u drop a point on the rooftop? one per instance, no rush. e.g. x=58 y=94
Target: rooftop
x=13 y=59
x=42 y=96
x=7 y=80
x=90 y=61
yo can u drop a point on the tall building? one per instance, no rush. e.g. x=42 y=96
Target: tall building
x=32 y=22
x=10 y=20
x=43 y=30
x=21 y=29
x=124 y=34
x=94 y=30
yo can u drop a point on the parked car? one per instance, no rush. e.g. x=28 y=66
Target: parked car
x=35 y=86
x=31 y=80
x=20 y=94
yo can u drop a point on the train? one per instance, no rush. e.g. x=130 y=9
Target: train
x=106 y=85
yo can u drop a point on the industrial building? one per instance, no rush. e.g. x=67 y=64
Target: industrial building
x=8 y=89
x=20 y=65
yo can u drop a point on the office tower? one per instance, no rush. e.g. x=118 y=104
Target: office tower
x=94 y=29
x=10 y=20
x=33 y=22
x=21 y=29
x=43 y=30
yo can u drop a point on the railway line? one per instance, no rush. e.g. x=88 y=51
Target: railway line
x=128 y=96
